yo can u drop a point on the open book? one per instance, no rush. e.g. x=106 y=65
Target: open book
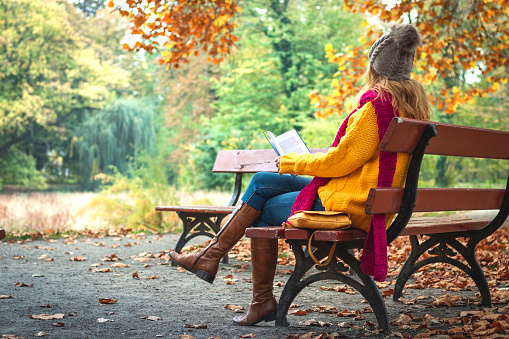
x=288 y=142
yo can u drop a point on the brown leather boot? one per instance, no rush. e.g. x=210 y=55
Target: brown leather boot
x=263 y=263
x=205 y=262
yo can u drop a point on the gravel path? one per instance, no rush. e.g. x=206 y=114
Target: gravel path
x=52 y=277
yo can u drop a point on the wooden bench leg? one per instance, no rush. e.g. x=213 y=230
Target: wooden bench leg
x=195 y=225
x=437 y=245
x=304 y=263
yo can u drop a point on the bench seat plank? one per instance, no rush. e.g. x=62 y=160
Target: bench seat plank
x=271 y=232
x=433 y=225
x=198 y=209
x=416 y=226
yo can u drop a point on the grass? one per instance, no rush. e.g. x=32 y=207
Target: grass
x=49 y=213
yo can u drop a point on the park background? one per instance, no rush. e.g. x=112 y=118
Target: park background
x=95 y=131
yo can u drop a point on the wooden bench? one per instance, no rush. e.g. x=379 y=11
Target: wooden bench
x=2 y=234
x=417 y=138
x=206 y=220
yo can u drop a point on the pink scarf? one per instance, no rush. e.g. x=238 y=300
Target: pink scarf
x=374 y=255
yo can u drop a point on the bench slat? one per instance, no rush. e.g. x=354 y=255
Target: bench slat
x=198 y=209
x=388 y=200
x=249 y=161
x=403 y=135
x=416 y=226
x=271 y=232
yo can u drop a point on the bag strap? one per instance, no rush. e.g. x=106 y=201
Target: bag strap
x=331 y=252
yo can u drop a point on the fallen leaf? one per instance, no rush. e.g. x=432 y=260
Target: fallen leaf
x=18 y=284
x=446 y=300
x=249 y=335
x=152 y=277
x=104 y=320
x=135 y=275
x=5 y=296
x=237 y=309
x=58 y=324
x=195 y=326
x=77 y=258
x=151 y=318
x=313 y=322
x=40 y=334
x=47 y=316
x=46 y=306
x=403 y=319
x=180 y=269
x=119 y=264
x=107 y=301
x=100 y=270
x=297 y=312
x=186 y=336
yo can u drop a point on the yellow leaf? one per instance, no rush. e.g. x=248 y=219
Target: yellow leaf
x=362 y=40
x=335 y=83
x=364 y=23
x=328 y=48
x=495 y=86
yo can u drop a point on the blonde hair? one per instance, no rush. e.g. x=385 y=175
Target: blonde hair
x=407 y=95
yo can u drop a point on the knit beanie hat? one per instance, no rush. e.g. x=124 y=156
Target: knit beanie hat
x=392 y=55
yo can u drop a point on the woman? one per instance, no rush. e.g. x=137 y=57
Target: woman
x=342 y=176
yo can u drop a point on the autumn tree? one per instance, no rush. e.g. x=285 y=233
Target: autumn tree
x=51 y=72
x=181 y=29
x=462 y=41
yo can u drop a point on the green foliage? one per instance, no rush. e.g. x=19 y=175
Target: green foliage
x=53 y=69
x=18 y=168
x=114 y=135
x=130 y=200
x=266 y=82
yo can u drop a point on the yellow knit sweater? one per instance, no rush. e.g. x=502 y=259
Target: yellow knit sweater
x=352 y=165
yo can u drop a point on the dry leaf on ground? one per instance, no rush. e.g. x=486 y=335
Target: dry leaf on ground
x=47 y=316
x=151 y=318
x=77 y=258
x=104 y=320
x=107 y=301
x=195 y=326
x=237 y=309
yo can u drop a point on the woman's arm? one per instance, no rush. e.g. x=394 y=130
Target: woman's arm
x=357 y=146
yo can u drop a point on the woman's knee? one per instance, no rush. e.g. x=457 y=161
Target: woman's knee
x=261 y=178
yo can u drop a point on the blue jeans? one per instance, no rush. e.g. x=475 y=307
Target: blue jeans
x=274 y=196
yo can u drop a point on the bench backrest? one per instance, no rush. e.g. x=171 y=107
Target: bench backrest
x=406 y=135
x=249 y=161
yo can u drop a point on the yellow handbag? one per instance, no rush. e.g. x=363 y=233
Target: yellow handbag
x=319 y=220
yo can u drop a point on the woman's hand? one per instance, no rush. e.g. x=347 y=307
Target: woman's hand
x=278 y=164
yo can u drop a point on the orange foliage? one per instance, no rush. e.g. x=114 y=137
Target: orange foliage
x=184 y=28
x=458 y=37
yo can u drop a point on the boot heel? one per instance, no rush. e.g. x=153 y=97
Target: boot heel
x=269 y=317
x=206 y=276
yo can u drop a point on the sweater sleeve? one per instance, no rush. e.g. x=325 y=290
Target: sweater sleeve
x=357 y=146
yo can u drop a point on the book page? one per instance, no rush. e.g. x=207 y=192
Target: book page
x=291 y=142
